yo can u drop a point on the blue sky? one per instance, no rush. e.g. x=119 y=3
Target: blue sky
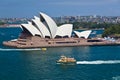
x=29 y=8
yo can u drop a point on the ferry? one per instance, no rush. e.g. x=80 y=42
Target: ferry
x=43 y=49
x=66 y=60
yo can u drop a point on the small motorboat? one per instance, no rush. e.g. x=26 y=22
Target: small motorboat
x=66 y=60
x=43 y=49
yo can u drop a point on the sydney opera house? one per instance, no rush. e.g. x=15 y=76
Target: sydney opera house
x=43 y=32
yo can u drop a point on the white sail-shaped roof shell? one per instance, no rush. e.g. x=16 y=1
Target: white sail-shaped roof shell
x=50 y=23
x=65 y=30
x=32 y=29
x=42 y=28
x=84 y=34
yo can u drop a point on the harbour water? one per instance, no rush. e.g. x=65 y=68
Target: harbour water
x=93 y=63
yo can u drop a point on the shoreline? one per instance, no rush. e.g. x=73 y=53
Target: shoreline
x=37 y=42
x=9 y=26
x=63 y=45
x=18 y=26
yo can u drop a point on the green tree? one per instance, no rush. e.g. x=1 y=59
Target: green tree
x=2 y=23
x=113 y=30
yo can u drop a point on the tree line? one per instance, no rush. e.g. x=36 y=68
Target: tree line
x=2 y=23
x=113 y=31
x=110 y=29
x=90 y=25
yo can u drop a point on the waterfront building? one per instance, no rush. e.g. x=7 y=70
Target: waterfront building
x=46 y=27
x=43 y=32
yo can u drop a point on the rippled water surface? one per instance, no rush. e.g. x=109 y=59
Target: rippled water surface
x=94 y=63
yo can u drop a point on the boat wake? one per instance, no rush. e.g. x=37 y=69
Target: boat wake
x=99 y=62
x=34 y=49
